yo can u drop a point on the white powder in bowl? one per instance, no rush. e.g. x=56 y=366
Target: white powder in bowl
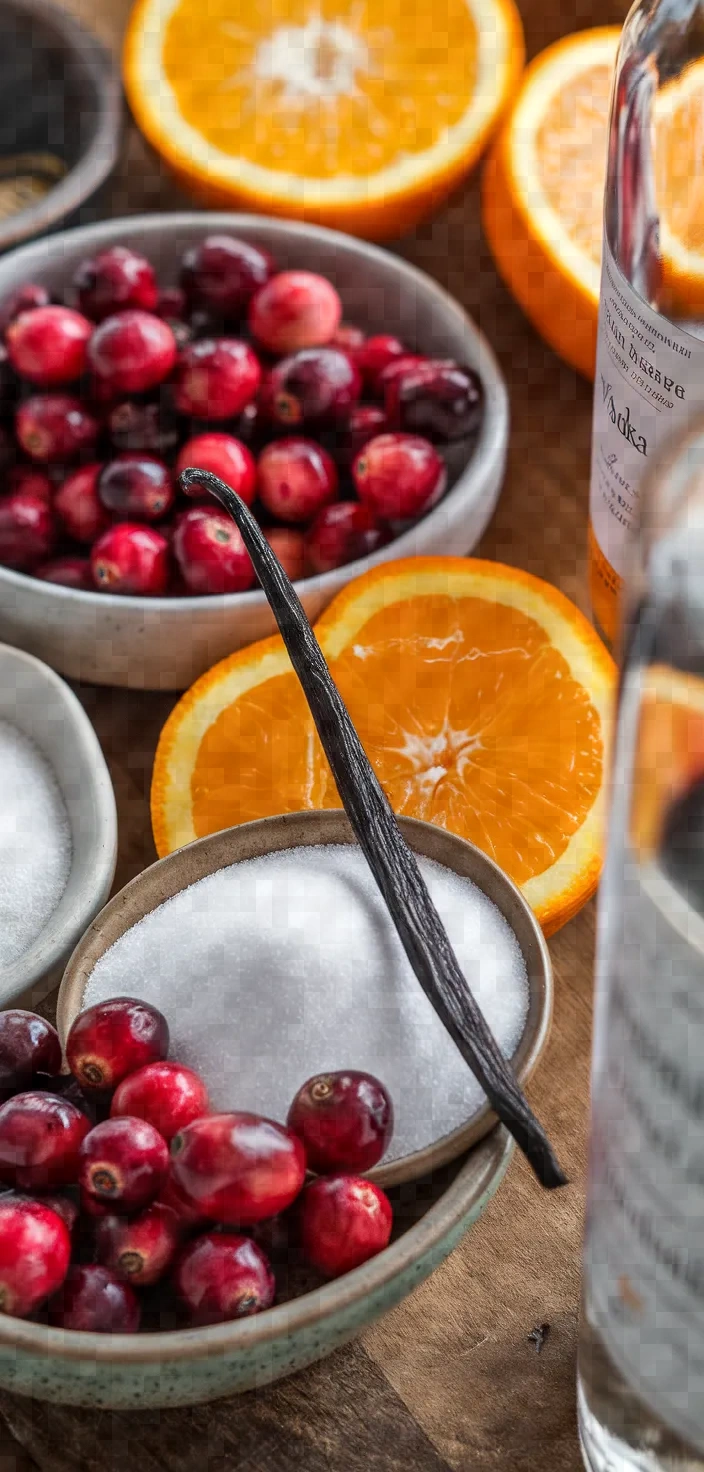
x=35 y=843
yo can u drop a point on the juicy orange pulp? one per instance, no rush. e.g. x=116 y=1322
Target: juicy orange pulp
x=571 y=154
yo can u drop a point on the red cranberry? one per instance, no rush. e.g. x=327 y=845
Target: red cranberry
x=27 y=530
x=65 y=1207
x=343 y=533
x=94 y=1300
x=137 y=486
x=396 y=368
x=211 y=554
x=114 y=279
x=25 y=299
x=151 y=427
x=238 y=1167
x=224 y=456
x=114 y=1038
x=375 y=355
x=216 y=378
x=35 y=1249
x=399 y=475
x=349 y=338
x=296 y=309
x=221 y=1276
x=366 y=421
x=31 y=479
x=171 y=304
x=78 y=504
x=290 y=548
x=132 y=351
x=295 y=478
x=187 y=1213
x=250 y=424
x=124 y=1162
x=53 y=427
x=344 y=1220
x=28 y=1045
x=168 y=1095
x=68 y=572
x=131 y=559
x=222 y=274
x=344 y=1119
x=93 y=1208
x=141 y=1250
x=316 y=387
x=40 y=1139
x=48 y=345
x=435 y=399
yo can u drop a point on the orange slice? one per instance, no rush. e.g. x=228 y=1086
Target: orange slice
x=679 y=187
x=669 y=750
x=482 y=697
x=352 y=113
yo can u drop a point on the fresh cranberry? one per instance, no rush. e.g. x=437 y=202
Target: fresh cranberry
x=344 y=1220
x=40 y=1139
x=28 y=1045
x=168 y=1095
x=31 y=479
x=114 y=1038
x=400 y=476
x=27 y=531
x=211 y=553
x=238 y=1167
x=343 y=533
x=141 y=1250
x=68 y=572
x=65 y=1207
x=187 y=1213
x=124 y=1162
x=131 y=559
x=296 y=309
x=132 y=351
x=136 y=426
x=345 y=1120
x=171 y=304
x=435 y=399
x=48 y=345
x=24 y=299
x=78 y=504
x=114 y=279
x=55 y=427
x=375 y=355
x=349 y=338
x=93 y=1208
x=295 y=478
x=94 y=1300
x=216 y=378
x=366 y=421
x=316 y=387
x=224 y=456
x=222 y=274
x=35 y=1250
x=137 y=486
x=221 y=1276
x=290 y=548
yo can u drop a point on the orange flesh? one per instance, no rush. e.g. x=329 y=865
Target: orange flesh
x=571 y=147
x=679 y=170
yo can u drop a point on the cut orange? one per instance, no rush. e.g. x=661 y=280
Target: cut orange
x=482 y=697
x=360 y=114
x=669 y=750
x=679 y=185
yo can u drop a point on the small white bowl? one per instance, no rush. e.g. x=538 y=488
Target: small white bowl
x=43 y=708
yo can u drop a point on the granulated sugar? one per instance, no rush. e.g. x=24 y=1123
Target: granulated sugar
x=280 y=967
x=35 y=843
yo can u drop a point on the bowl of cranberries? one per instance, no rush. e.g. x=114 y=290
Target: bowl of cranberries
x=347 y=399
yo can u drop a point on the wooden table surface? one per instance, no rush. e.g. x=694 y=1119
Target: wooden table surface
x=450 y=1379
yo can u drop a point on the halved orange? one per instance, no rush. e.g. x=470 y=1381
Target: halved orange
x=669 y=750
x=679 y=187
x=482 y=697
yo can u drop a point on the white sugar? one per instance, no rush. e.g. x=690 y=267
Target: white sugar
x=285 y=966
x=35 y=843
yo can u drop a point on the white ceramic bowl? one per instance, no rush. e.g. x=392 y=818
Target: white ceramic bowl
x=40 y=705
x=165 y=643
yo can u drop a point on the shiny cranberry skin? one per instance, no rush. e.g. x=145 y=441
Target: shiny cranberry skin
x=345 y=1121
x=211 y=554
x=136 y=486
x=64 y=1207
x=168 y=1095
x=141 y=1250
x=221 y=1276
x=25 y=299
x=151 y=427
x=78 y=504
x=131 y=352
x=131 y=559
x=216 y=378
x=316 y=387
x=400 y=476
x=238 y=1168
x=375 y=355
x=27 y=530
x=366 y=421
x=349 y=338
x=343 y=533
x=35 y=1249
x=55 y=427
x=40 y=1139
x=115 y=279
x=67 y=572
x=94 y=1300
x=48 y=345
x=344 y=1220
x=28 y=1045
x=187 y=1213
x=295 y=478
x=114 y=1038
x=222 y=274
x=172 y=304
x=224 y=456
x=296 y=309
x=290 y=548
x=123 y=1162
x=439 y=400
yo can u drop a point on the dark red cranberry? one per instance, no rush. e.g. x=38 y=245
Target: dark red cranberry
x=92 y=1207
x=295 y=478
x=296 y=309
x=344 y=1220
x=9 y=386
x=211 y=554
x=114 y=279
x=123 y=1162
x=27 y=530
x=40 y=1139
x=216 y=378
x=137 y=486
x=28 y=1045
x=221 y=274
x=238 y=1167
x=343 y=533
x=131 y=352
x=48 y=345
x=171 y=304
x=141 y=1250
x=396 y=368
x=131 y=559
x=55 y=427
x=168 y=1095
x=65 y=1207
x=78 y=504
x=35 y=1250
x=366 y=421
x=114 y=1038
x=349 y=338
x=135 y=426
x=375 y=355
x=187 y=1213
x=317 y=387
x=94 y=1300
x=24 y=299
x=221 y=1276
x=290 y=548
x=250 y=424
x=68 y=572
x=400 y=476
x=345 y=1121
x=31 y=479
x=224 y=456
x=435 y=399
